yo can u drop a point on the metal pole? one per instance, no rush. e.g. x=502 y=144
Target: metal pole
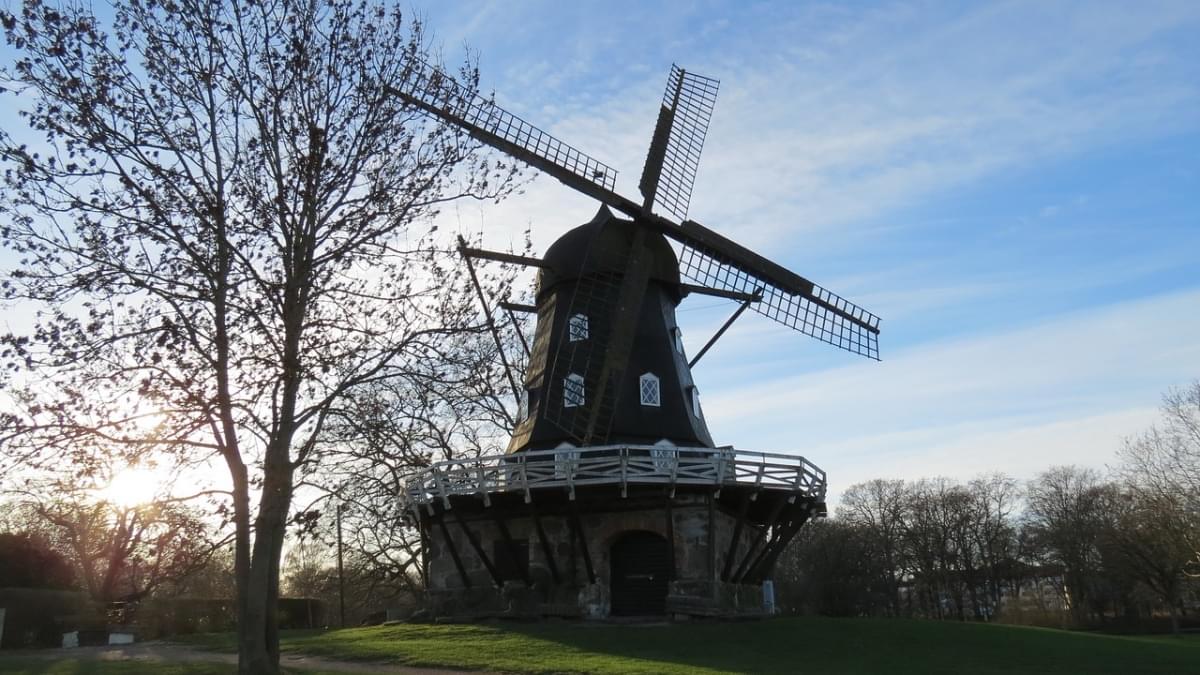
x=729 y=322
x=341 y=573
x=487 y=314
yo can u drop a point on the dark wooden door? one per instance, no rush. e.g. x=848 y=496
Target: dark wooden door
x=641 y=568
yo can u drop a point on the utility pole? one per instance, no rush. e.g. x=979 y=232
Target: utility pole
x=341 y=574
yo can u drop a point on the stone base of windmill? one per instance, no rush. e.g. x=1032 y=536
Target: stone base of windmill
x=607 y=554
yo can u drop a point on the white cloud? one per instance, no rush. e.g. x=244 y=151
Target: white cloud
x=830 y=120
x=897 y=106
x=949 y=407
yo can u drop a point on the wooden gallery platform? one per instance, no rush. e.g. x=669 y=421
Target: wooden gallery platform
x=599 y=532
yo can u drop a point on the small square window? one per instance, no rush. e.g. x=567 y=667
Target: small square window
x=573 y=391
x=577 y=328
x=650 y=390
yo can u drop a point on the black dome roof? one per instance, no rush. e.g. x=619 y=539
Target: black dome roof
x=602 y=245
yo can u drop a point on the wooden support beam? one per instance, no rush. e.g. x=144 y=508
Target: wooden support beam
x=574 y=550
x=518 y=307
x=510 y=544
x=423 y=534
x=630 y=294
x=751 y=552
x=670 y=539
x=487 y=313
x=753 y=563
x=474 y=540
x=768 y=563
x=769 y=526
x=737 y=533
x=711 y=555
x=725 y=326
x=785 y=533
x=458 y=564
x=577 y=528
x=719 y=292
x=547 y=548
x=502 y=257
x=517 y=328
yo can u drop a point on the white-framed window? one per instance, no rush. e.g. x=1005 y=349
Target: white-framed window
x=677 y=338
x=523 y=405
x=573 y=391
x=663 y=454
x=650 y=389
x=566 y=460
x=695 y=401
x=577 y=328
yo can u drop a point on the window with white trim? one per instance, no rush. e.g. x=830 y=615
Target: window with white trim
x=566 y=460
x=695 y=401
x=677 y=337
x=650 y=389
x=663 y=454
x=577 y=328
x=573 y=391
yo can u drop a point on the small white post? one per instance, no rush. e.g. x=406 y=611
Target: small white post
x=768 y=588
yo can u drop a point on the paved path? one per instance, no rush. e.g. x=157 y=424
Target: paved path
x=165 y=652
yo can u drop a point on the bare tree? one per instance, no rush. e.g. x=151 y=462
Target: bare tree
x=1068 y=513
x=119 y=552
x=831 y=569
x=1163 y=464
x=935 y=524
x=407 y=424
x=879 y=506
x=1151 y=542
x=221 y=219
x=993 y=533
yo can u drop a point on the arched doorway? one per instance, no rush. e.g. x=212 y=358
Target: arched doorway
x=641 y=568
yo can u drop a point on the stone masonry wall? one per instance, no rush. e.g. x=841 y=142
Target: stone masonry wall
x=695 y=590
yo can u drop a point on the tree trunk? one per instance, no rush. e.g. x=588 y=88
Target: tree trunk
x=258 y=626
x=241 y=564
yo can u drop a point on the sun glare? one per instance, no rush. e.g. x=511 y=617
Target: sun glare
x=132 y=487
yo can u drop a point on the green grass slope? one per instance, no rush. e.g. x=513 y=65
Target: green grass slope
x=806 y=645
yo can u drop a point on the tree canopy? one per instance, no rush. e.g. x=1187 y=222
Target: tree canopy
x=224 y=223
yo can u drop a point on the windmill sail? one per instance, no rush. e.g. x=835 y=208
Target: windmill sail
x=707 y=258
x=674 y=154
x=814 y=311
x=435 y=92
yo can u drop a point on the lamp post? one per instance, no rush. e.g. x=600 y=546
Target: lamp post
x=340 y=572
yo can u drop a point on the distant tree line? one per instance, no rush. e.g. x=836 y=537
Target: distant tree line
x=1071 y=546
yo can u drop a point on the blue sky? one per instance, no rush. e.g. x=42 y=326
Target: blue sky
x=1014 y=187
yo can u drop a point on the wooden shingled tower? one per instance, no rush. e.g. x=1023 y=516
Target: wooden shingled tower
x=612 y=498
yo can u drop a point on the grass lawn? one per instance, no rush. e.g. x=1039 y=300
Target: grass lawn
x=804 y=645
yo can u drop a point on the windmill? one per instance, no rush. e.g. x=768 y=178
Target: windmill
x=608 y=398
x=713 y=262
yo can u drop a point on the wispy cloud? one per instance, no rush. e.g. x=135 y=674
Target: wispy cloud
x=1021 y=329
x=959 y=393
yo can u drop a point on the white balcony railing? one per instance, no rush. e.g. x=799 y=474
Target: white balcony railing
x=618 y=465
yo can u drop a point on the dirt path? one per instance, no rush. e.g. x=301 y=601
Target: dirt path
x=164 y=652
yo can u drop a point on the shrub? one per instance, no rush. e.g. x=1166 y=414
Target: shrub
x=37 y=617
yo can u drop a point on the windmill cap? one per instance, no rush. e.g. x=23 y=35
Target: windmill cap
x=603 y=245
